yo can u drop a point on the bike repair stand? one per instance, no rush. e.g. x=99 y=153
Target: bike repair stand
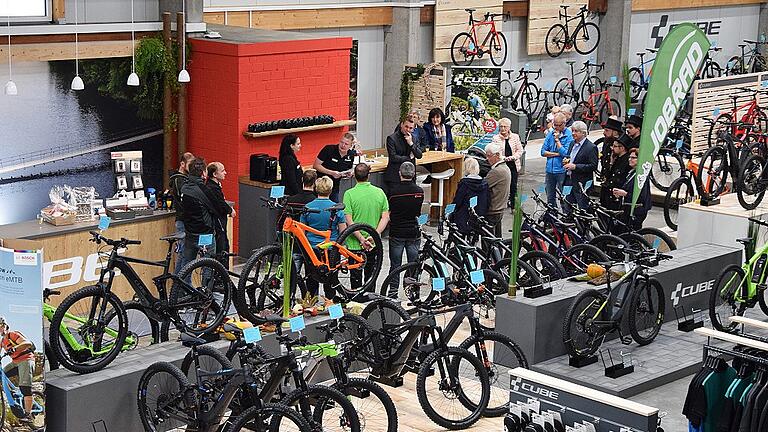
x=539 y=290
x=616 y=370
x=689 y=323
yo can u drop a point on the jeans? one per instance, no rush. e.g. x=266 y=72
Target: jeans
x=578 y=198
x=552 y=182
x=396 y=248
x=191 y=250
x=356 y=275
x=179 y=248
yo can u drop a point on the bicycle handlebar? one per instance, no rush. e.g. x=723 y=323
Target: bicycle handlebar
x=759 y=221
x=98 y=239
x=523 y=71
x=755 y=42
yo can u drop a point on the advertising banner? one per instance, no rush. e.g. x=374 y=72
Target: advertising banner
x=475 y=105
x=21 y=337
x=681 y=54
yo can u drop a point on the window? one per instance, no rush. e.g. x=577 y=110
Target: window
x=26 y=10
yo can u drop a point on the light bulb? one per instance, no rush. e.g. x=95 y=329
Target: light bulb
x=133 y=80
x=183 y=76
x=10 y=88
x=77 y=83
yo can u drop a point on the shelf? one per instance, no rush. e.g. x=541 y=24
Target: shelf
x=336 y=124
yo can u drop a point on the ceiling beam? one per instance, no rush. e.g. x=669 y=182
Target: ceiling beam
x=66 y=51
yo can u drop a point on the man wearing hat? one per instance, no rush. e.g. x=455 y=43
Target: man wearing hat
x=634 y=123
x=617 y=173
x=611 y=131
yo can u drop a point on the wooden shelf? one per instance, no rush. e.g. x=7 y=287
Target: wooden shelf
x=336 y=124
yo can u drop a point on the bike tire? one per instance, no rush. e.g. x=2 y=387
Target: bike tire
x=587 y=33
x=711 y=70
x=608 y=244
x=667 y=166
x=592 y=301
x=138 y=320
x=507 y=358
x=269 y=418
x=211 y=360
x=418 y=285
x=355 y=386
x=583 y=112
x=608 y=109
x=463 y=49
x=355 y=331
x=681 y=191
x=375 y=257
x=556 y=40
x=750 y=177
x=209 y=304
x=563 y=92
x=529 y=99
x=51 y=362
x=323 y=397
x=635 y=83
x=260 y=287
x=545 y=264
x=506 y=89
x=734 y=66
x=720 y=124
x=713 y=172
x=657 y=239
x=444 y=364
x=86 y=363
x=725 y=283
x=576 y=258
x=591 y=86
x=498 y=49
x=635 y=241
x=157 y=420
x=647 y=300
x=382 y=311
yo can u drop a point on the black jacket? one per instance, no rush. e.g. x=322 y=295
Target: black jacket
x=220 y=206
x=177 y=181
x=398 y=151
x=617 y=174
x=405 y=201
x=586 y=163
x=469 y=187
x=199 y=215
x=429 y=132
x=291 y=172
x=643 y=202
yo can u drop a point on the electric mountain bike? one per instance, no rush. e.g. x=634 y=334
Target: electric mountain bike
x=723 y=159
x=736 y=124
x=585 y=36
x=566 y=90
x=749 y=61
x=465 y=47
x=638 y=78
x=12 y=399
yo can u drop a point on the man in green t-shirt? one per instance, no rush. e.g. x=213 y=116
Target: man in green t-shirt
x=364 y=203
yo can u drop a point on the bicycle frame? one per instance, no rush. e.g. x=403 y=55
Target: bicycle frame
x=492 y=32
x=747 y=292
x=15 y=398
x=298 y=230
x=48 y=312
x=564 y=14
x=609 y=315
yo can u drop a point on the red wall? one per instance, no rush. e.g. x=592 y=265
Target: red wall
x=234 y=84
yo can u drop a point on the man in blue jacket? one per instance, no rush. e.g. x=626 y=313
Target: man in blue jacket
x=556 y=145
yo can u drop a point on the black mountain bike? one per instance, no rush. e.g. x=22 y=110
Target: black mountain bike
x=584 y=38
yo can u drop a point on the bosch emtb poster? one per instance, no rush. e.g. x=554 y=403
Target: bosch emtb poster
x=475 y=105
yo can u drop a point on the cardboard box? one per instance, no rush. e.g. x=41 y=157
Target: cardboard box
x=60 y=220
x=116 y=214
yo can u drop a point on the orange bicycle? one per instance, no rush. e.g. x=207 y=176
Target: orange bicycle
x=685 y=189
x=264 y=279
x=598 y=107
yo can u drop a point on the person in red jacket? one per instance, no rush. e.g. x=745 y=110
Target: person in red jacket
x=22 y=354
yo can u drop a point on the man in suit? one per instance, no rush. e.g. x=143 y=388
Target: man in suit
x=499 y=179
x=580 y=165
x=401 y=147
x=634 y=124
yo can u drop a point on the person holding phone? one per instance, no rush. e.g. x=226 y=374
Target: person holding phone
x=401 y=147
x=336 y=161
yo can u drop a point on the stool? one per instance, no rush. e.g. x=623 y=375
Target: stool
x=421 y=178
x=441 y=177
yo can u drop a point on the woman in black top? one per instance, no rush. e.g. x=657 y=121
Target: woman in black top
x=624 y=193
x=289 y=164
x=216 y=174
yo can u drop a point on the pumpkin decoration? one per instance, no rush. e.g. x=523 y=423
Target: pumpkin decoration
x=595 y=270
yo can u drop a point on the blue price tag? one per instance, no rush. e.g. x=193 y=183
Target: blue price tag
x=613 y=79
x=656 y=243
x=631 y=111
x=762 y=37
x=679 y=144
x=764 y=83
x=104 y=222
x=477 y=277
x=715 y=112
x=473 y=202
x=297 y=323
x=277 y=192
x=548 y=85
x=523 y=198
x=423 y=219
x=252 y=334
x=730 y=64
x=541 y=188
x=438 y=284
x=527 y=66
x=592 y=59
x=449 y=209
x=567 y=190
x=205 y=240
x=713 y=43
x=588 y=185
x=335 y=311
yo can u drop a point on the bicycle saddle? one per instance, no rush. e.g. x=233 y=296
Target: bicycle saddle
x=570 y=62
x=336 y=207
x=274 y=319
x=742 y=45
x=564 y=6
x=470 y=10
x=651 y=50
x=231 y=328
x=174 y=237
x=640 y=54
x=190 y=341
x=745 y=241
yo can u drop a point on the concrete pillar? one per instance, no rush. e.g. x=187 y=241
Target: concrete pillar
x=762 y=23
x=614 y=40
x=194 y=9
x=401 y=47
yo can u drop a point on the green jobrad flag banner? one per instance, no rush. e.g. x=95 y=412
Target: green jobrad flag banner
x=680 y=56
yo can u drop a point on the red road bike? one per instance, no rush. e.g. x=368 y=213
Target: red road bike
x=598 y=107
x=465 y=48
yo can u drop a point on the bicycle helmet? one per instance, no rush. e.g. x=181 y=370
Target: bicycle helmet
x=3 y=322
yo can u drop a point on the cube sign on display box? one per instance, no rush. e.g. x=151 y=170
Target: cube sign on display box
x=475 y=105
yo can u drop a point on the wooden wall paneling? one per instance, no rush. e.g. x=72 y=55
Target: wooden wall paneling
x=214 y=17
x=542 y=14
x=516 y=9
x=57 y=10
x=239 y=19
x=714 y=93
x=451 y=19
x=429 y=91
x=427 y=14
x=305 y=18
x=66 y=51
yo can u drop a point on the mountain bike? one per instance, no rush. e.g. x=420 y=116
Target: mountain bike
x=12 y=399
x=168 y=401
x=685 y=189
x=527 y=93
x=566 y=90
x=753 y=182
x=464 y=47
x=598 y=107
x=584 y=38
x=740 y=287
x=749 y=61
x=260 y=288
x=724 y=158
x=739 y=126
x=638 y=78
x=198 y=302
x=594 y=314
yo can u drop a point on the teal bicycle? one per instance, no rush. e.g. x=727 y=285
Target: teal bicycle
x=739 y=288
x=11 y=398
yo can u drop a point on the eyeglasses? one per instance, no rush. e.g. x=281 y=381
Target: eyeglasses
x=633 y=157
x=559 y=124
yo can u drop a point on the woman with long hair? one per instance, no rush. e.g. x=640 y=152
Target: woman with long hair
x=289 y=164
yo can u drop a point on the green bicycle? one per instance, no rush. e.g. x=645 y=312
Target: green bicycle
x=739 y=288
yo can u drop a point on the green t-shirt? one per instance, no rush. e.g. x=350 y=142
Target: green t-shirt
x=364 y=203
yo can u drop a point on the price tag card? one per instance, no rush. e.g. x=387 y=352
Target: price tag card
x=679 y=144
x=335 y=311
x=541 y=188
x=252 y=334
x=715 y=112
x=567 y=190
x=205 y=240
x=277 y=192
x=534 y=404
x=713 y=43
x=537 y=419
x=764 y=83
x=449 y=209
x=477 y=277
x=613 y=79
x=297 y=323
x=423 y=219
x=588 y=185
x=438 y=284
x=104 y=222
x=523 y=198
x=515 y=409
x=762 y=37
x=527 y=66
x=473 y=202
x=631 y=111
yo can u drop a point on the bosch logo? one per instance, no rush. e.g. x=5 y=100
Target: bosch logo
x=681 y=291
x=519 y=385
x=710 y=28
x=462 y=79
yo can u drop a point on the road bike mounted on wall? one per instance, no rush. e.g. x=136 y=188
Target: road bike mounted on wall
x=465 y=47
x=639 y=77
x=566 y=90
x=527 y=96
x=12 y=400
x=750 y=60
x=584 y=38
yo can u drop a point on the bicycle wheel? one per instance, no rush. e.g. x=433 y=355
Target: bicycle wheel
x=576 y=259
x=326 y=409
x=372 y=403
x=410 y=281
x=721 y=124
x=210 y=360
x=463 y=49
x=734 y=66
x=269 y=418
x=80 y=339
x=647 y=311
x=201 y=296
x=563 y=92
x=260 y=289
x=635 y=241
x=635 y=83
x=353 y=332
x=680 y=192
x=545 y=264
x=590 y=86
x=657 y=239
x=711 y=70
x=583 y=112
x=500 y=354
x=161 y=398
x=497 y=49
x=354 y=281
x=579 y=338
x=506 y=89
x=667 y=167
x=556 y=40
x=453 y=388
x=382 y=311
x=586 y=37
x=713 y=172
x=608 y=109
x=725 y=298
x=751 y=188
x=610 y=244
x=51 y=362
x=758 y=64
x=529 y=99
x=140 y=325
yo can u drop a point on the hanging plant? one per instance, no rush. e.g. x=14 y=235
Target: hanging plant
x=410 y=75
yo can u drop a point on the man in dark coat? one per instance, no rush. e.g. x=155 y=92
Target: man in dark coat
x=581 y=165
x=634 y=123
x=617 y=173
x=611 y=132
x=401 y=147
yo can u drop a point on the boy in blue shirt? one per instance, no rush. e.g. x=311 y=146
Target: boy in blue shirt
x=556 y=145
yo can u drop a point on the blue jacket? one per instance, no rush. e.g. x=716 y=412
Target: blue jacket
x=555 y=164
x=431 y=140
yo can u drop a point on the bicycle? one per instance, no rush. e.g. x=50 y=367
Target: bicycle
x=753 y=182
x=598 y=107
x=720 y=160
x=584 y=38
x=594 y=314
x=567 y=92
x=747 y=62
x=464 y=47
x=739 y=127
x=261 y=288
x=740 y=287
x=527 y=93
x=12 y=399
x=685 y=189
x=197 y=303
x=638 y=79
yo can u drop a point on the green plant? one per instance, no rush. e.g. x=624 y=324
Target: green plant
x=627 y=93
x=410 y=74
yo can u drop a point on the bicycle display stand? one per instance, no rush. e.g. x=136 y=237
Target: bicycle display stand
x=580 y=362
x=617 y=370
x=689 y=323
x=537 y=291
x=721 y=224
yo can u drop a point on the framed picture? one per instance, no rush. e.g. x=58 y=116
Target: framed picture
x=119 y=166
x=122 y=182
x=135 y=166
x=137 y=183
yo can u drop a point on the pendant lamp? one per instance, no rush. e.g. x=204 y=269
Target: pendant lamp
x=184 y=75
x=133 y=78
x=10 y=86
x=77 y=82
